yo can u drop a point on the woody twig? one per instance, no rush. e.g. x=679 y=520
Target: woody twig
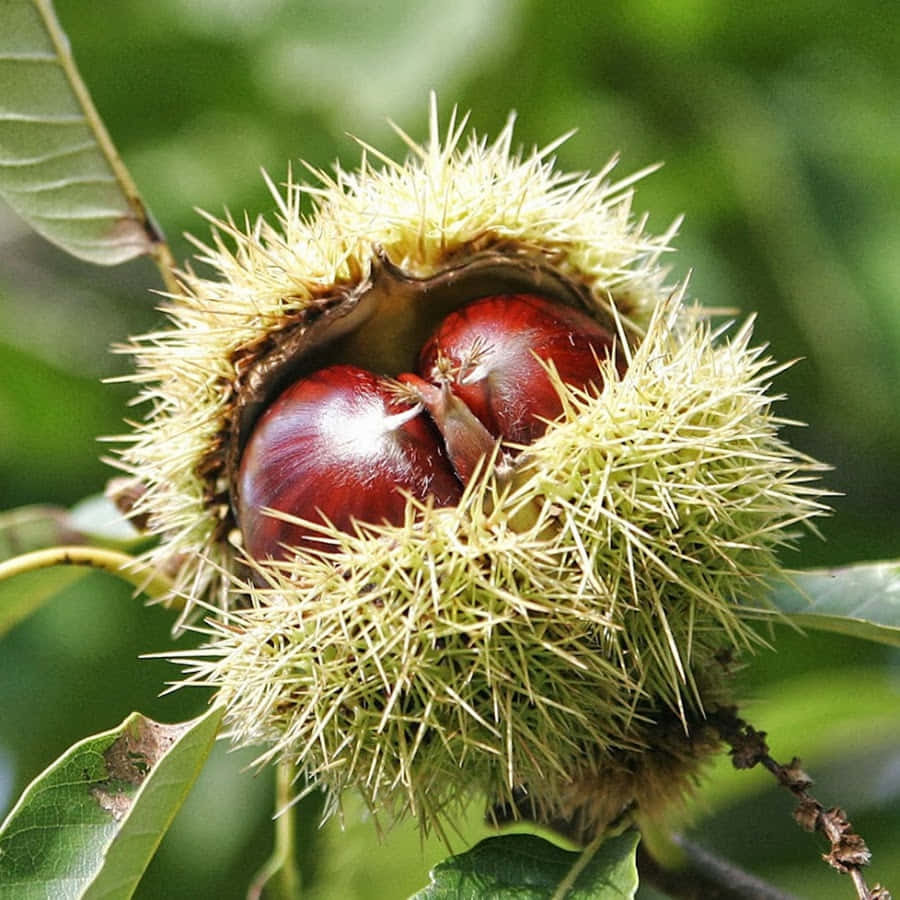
x=848 y=853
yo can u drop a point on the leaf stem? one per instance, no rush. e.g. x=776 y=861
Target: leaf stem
x=589 y=852
x=152 y=583
x=280 y=872
x=158 y=248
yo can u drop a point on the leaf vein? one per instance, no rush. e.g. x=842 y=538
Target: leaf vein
x=69 y=119
x=81 y=216
x=70 y=150
x=29 y=56
x=60 y=184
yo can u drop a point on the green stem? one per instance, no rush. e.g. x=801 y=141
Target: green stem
x=280 y=875
x=158 y=248
x=154 y=584
x=589 y=852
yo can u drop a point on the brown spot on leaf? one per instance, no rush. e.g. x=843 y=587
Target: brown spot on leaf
x=117 y=805
x=129 y=235
x=130 y=759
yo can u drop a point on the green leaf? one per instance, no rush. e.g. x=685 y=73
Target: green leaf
x=94 y=520
x=31 y=579
x=526 y=867
x=29 y=591
x=860 y=600
x=30 y=528
x=89 y=824
x=58 y=167
x=25 y=530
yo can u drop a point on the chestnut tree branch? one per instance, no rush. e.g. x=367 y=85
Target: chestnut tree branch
x=154 y=584
x=848 y=853
x=704 y=876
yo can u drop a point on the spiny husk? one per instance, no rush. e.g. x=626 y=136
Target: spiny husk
x=540 y=633
x=449 y=197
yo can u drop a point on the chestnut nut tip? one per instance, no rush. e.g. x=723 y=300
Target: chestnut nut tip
x=344 y=445
x=497 y=348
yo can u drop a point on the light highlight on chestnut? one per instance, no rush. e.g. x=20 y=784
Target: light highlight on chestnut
x=337 y=445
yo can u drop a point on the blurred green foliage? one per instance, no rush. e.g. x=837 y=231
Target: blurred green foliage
x=779 y=127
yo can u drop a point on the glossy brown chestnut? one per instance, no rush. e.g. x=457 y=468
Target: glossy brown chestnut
x=491 y=350
x=340 y=444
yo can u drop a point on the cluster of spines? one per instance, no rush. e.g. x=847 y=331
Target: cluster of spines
x=466 y=651
x=448 y=197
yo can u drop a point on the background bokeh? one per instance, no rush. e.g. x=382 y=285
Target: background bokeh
x=779 y=126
